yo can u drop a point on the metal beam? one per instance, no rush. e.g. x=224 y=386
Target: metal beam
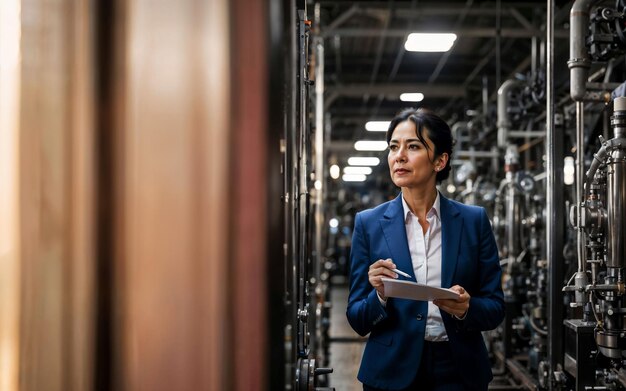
x=520 y=18
x=348 y=146
x=434 y=7
x=429 y=90
x=340 y=146
x=423 y=11
x=480 y=32
x=341 y=19
x=444 y=59
x=481 y=64
x=450 y=10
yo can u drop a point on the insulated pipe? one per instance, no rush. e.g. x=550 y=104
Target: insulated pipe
x=579 y=62
x=503 y=104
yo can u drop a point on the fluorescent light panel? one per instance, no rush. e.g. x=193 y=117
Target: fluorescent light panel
x=363 y=145
x=429 y=42
x=354 y=177
x=412 y=97
x=363 y=161
x=377 y=126
x=357 y=170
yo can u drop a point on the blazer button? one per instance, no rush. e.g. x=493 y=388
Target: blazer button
x=419 y=316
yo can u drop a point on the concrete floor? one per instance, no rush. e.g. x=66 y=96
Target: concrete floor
x=346 y=346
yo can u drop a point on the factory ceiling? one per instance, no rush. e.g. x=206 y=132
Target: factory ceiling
x=366 y=66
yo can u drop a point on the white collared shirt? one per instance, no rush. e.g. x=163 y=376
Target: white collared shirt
x=425 y=249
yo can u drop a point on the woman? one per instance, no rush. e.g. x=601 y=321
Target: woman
x=417 y=345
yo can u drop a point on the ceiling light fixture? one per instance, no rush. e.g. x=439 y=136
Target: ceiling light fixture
x=363 y=161
x=357 y=170
x=354 y=177
x=412 y=97
x=377 y=126
x=429 y=42
x=370 y=145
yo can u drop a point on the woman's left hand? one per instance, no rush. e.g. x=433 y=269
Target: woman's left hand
x=457 y=307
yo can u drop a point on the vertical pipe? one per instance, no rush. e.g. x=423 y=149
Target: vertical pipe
x=513 y=218
x=580 y=169
x=498 y=41
x=318 y=257
x=290 y=179
x=485 y=97
x=503 y=117
x=555 y=216
x=302 y=193
x=81 y=331
x=616 y=209
x=248 y=302
x=580 y=281
x=534 y=56
x=579 y=62
x=542 y=54
x=616 y=190
x=319 y=142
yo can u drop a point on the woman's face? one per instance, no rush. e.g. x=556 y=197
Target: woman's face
x=411 y=165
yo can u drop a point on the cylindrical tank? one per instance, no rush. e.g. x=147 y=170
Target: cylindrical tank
x=616 y=190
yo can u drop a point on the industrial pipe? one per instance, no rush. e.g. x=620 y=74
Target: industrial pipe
x=554 y=221
x=503 y=117
x=579 y=62
x=616 y=189
x=457 y=133
x=580 y=168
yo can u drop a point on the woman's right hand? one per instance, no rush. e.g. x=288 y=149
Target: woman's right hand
x=378 y=270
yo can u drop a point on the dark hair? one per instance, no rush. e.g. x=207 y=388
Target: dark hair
x=437 y=130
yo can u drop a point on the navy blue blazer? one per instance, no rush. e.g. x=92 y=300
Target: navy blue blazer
x=469 y=258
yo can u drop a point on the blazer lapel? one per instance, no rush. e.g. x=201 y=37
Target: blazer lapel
x=451 y=228
x=394 y=230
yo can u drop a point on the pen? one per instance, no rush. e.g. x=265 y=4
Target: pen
x=401 y=273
